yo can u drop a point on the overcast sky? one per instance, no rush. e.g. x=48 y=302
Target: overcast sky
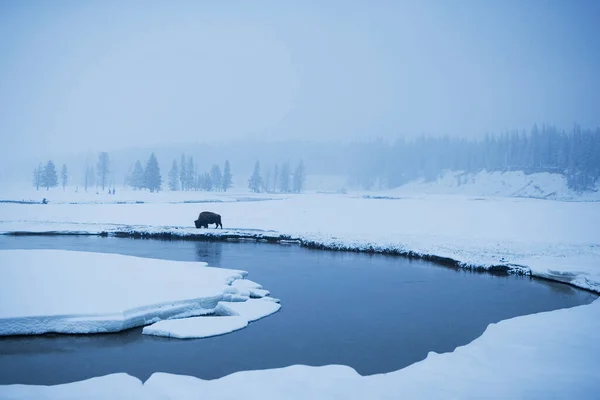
x=104 y=75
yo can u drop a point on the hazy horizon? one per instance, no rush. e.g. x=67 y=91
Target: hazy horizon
x=107 y=76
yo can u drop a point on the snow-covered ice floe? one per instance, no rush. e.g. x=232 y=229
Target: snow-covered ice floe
x=197 y=327
x=79 y=292
x=545 y=355
x=230 y=316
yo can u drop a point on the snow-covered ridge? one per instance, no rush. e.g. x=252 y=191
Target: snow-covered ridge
x=541 y=185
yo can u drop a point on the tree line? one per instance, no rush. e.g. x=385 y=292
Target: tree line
x=284 y=180
x=374 y=164
x=45 y=176
x=185 y=176
x=574 y=154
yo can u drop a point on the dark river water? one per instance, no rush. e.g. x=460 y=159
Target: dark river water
x=374 y=313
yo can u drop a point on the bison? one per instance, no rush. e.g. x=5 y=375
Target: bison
x=207 y=217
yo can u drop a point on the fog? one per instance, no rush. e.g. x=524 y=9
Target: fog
x=77 y=78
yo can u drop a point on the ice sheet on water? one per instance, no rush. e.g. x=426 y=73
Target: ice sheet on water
x=101 y=292
x=197 y=327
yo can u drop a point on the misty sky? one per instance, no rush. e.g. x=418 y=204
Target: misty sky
x=101 y=75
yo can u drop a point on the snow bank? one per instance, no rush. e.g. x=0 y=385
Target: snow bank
x=577 y=270
x=545 y=355
x=113 y=386
x=79 y=292
x=196 y=328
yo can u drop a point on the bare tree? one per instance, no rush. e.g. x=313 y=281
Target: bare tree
x=37 y=176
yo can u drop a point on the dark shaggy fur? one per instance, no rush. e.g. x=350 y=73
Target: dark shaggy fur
x=207 y=217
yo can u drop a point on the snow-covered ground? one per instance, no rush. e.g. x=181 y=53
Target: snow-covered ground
x=79 y=292
x=553 y=354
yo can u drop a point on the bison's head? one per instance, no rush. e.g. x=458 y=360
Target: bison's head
x=197 y=223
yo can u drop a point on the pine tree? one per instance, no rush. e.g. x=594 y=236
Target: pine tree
x=255 y=181
x=216 y=177
x=284 y=180
x=137 y=180
x=64 y=176
x=103 y=168
x=152 y=174
x=49 y=178
x=183 y=173
x=227 y=177
x=37 y=176
x=299 y=177
x=174 y=177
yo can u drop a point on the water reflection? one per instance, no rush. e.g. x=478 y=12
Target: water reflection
x=210 y=252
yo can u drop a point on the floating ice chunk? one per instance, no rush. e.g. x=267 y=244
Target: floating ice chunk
x=197 y=327
x=258 y=293
x=114 y=386
x=252 y=309
x=246 y=283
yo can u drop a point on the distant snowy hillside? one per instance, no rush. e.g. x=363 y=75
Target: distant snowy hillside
x=504 y=184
